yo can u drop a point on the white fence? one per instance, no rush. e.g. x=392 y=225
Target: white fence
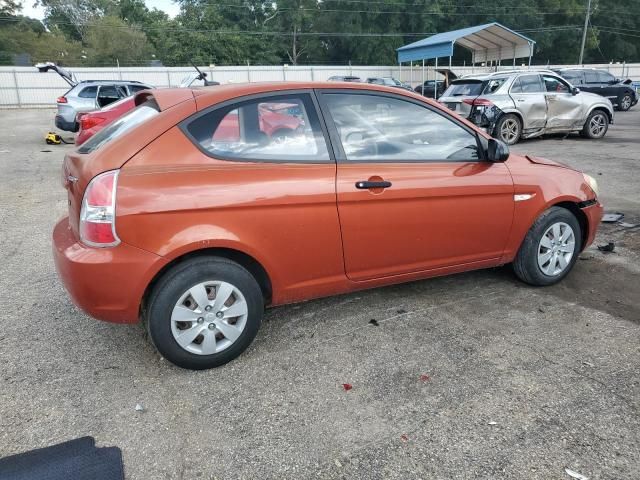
x=25 y=87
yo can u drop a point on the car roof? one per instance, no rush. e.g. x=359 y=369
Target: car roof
x=108 y=82
x=207 y=96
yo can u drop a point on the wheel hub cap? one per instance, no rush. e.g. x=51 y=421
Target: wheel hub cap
x=209 y=317
x=556 y=249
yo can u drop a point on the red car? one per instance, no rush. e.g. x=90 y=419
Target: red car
x=278 y=121
x=192 y=214
x=92 y=122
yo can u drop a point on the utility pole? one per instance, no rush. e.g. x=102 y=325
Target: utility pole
x=584 y=31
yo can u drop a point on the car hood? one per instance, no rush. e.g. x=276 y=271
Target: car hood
x=546 y=161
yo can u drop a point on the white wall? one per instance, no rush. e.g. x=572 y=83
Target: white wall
x=25 y=87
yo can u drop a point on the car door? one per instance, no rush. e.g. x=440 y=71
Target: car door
x=608 y=84
x=527 y=92
x=564 y=109
x=592 y=82
x=413 y=193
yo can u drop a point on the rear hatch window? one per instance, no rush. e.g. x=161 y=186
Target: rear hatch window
x=463 y=88
x=128 y=121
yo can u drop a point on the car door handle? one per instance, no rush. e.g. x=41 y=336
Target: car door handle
x=364 y=185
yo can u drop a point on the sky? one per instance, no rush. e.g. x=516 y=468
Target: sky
x=168 y=6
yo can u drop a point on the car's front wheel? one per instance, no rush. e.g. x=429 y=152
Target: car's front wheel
x=625 y=102
x=596 y=125
x=204 y=312
x=550 y=249
x=509 y=129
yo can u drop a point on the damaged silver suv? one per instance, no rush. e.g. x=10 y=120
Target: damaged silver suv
x=513 y=105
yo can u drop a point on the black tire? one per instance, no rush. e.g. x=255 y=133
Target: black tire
x=505 y=121
x=624 y=102
x=175 y=283
x=587 y=131
x=526 y=265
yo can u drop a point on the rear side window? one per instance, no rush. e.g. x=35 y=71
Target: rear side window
x=591 y=76
x=120 y=126
x=463 y=88
x=574 y=76
x=283 y=128
x=133 y=89
x=88 y=92
x=492 y=85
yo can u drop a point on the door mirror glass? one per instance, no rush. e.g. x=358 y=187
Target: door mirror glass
x=497 y=151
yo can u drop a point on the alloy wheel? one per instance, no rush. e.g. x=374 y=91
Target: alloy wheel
x=510 y=130
x=556 y=249
x=209 y=317
x=625 y=104
x=598 y=125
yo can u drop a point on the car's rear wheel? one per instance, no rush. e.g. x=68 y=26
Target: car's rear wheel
x=550 y=249
x=625 y=102
x=509 y=129
x=204 y=312
x=596 y=125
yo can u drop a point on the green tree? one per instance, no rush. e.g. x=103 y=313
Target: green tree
x=109 y=40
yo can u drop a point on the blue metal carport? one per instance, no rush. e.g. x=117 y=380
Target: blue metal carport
x=491 y=42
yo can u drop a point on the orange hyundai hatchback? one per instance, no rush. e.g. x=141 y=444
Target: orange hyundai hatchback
x=191 y=214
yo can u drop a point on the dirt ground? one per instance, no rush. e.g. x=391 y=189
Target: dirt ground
x=472 y=376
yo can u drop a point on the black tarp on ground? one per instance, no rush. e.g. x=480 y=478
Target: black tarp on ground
x=77 y=459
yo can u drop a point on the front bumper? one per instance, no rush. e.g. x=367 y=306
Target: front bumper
x=106 y=283
x=594 y=216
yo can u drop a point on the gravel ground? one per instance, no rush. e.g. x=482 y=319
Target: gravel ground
x=468 y=376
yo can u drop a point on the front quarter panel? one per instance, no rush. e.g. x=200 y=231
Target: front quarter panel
x=548 y=185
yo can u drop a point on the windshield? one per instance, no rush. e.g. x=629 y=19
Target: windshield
x=461 y=88
x=120 y=126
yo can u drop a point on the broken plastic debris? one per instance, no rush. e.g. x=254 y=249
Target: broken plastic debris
x=424 y=377
x=628 y=225
x=347 y=386
x=577 y=475
x=5 y=151
x=337 y=462
x=139 y=407
x=609 y=247
x=404 y=437
x=492 y=423
x=612 y=217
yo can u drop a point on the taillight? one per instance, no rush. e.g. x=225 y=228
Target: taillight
x=89 y=121
x=62 y=99
x=478 y=102
x=97 y=216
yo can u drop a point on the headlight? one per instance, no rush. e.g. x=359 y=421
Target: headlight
x=592 y=183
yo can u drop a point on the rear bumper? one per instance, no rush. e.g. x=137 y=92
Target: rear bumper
x=594 y=216
x=106 y=283
x=65 y=125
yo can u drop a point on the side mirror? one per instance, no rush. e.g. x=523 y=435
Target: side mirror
x=575 y=91
x=497 y=151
